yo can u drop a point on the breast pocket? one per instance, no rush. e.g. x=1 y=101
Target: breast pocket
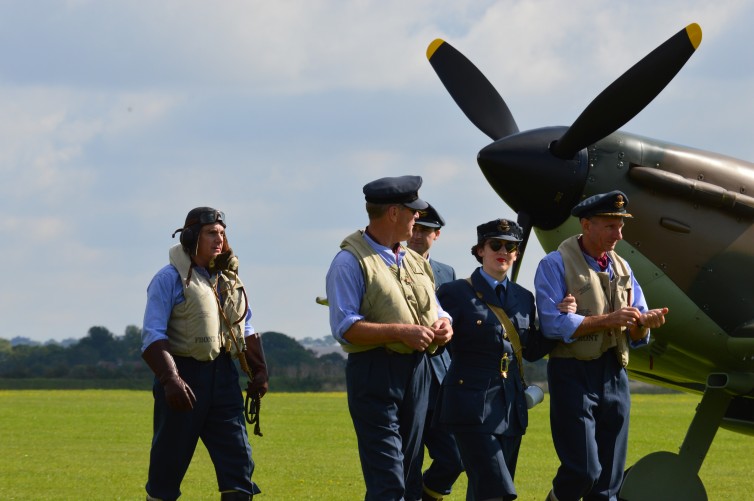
x=623 y=286
x=423 y=298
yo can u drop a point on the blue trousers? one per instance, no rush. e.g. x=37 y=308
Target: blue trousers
x=589 y=414
x=490 y=462
x=387 y=399
x=217 y=419
x=446 y=464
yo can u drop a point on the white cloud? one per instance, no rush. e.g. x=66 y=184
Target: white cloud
x=116 y=118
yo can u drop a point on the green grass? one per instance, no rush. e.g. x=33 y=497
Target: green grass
x=94 y=445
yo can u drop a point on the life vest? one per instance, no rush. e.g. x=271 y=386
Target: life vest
x=196 y=328
x=402 y=295
x=595 y=294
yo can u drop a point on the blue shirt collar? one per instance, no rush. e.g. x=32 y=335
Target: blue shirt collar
x=386 y=253
x=596 y=267
x=491 y=281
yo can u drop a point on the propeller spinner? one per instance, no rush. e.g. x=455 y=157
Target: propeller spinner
x=541 y=173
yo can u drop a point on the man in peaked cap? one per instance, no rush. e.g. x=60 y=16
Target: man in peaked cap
x=437 y=481
x=605 y=204
x=586 y=371
x=403 y=190
x=385 y=315
x=426 y=231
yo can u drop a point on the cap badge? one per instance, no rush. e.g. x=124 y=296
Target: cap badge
x=619 y=203
x=503 y=226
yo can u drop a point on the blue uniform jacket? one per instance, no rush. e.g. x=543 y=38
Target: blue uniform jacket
x=474 y=397
x=443 y=273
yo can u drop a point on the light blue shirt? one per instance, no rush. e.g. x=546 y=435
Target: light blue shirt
x=163 y=293
x=550 y=285
x=345 y=287
x=494 y=283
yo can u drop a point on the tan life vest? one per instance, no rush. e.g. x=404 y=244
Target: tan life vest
x=196 y=328
x=595 y=294
x=402 y=295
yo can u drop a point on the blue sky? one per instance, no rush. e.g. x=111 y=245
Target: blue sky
x=118 y=117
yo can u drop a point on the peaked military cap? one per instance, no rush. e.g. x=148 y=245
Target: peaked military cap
x=501 y=229
x=430 y=218
x=613 y=203
x=403 y=190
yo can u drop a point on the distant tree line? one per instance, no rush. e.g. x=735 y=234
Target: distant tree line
x=104 y=359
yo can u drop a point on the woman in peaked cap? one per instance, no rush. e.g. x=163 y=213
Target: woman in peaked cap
x=482 y=400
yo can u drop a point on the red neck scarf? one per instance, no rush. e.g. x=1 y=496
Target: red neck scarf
x=602 y=261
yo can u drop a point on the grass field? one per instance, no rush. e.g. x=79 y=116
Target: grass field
x=94 y=445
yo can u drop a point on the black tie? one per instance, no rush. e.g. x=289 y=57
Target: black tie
x=500 y=291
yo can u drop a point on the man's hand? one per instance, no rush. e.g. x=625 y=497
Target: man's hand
x=259 y=385
x=654 y=318
x=254 y=354
x=178 y=394
x=417 y=337
x=443 y=331
x=567 y=305
x=626 y=317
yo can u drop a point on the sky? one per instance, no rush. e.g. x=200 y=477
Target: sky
x=118 y=117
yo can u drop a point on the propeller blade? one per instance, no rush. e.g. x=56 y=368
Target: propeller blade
x=526 y=223
x=630 y=93
x=471 y=90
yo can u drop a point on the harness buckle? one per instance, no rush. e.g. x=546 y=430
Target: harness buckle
x=504 y=364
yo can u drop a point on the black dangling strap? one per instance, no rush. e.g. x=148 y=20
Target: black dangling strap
x=251 y=411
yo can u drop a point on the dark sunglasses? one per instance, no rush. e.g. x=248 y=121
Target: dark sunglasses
x=496 y=245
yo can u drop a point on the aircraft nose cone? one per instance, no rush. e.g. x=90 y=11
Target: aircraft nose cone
x=530 y=179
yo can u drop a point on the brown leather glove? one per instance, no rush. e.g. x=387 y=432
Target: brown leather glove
x=224 y=261
x=177 y=393
x=258 y=365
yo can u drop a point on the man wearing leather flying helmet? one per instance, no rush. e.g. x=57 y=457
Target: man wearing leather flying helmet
x=197 y=319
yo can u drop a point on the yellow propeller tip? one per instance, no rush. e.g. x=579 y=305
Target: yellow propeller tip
x=694 y=32
x=436 y=43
